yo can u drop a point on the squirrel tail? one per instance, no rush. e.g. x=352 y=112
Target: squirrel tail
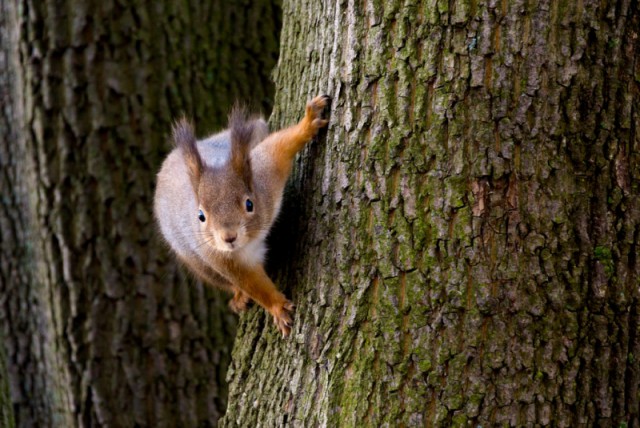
x=241 y=141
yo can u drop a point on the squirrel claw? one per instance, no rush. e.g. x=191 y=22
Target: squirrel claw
x=282 y=317
x=319 y=123
x=315 y=110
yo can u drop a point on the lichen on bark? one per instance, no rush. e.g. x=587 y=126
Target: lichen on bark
x=461 y=244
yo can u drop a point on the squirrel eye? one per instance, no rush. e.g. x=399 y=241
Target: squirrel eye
x=201 y=216
x=249 y=205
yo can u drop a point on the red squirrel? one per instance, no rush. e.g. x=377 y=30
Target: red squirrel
x=217 y=198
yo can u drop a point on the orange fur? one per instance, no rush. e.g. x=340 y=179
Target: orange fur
x=254 y=282
x=283 y=145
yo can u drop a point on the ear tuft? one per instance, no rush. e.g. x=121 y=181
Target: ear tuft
x=184 y=138
x=241 y=141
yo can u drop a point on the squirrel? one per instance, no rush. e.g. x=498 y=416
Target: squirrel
x=217 y=198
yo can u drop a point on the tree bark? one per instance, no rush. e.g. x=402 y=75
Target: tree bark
x=31 y=365
x=6 y=411
x=462 y=245
x=102 y=328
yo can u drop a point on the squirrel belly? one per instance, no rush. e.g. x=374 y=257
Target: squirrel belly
x=216 y=200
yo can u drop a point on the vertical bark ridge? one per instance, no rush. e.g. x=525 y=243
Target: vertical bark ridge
x=31 y=363
x=6 y=410
x=461 y=244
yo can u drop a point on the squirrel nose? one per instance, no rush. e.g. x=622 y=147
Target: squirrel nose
x=230 y=238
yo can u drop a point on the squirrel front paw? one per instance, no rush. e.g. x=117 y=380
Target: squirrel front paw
x=239 y=302
x=315 y=111
x=281 y=313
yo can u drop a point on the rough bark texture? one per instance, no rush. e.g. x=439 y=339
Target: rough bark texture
x=102 y=329
x=6 y=409
x=462 y=245
x=31 y=364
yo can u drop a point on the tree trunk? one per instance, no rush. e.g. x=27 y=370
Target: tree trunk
x=462 y=245
x=6 y=411
x=31 y=366
x=102 y=329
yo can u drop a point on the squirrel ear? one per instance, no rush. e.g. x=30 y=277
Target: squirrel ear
x=241 y=141
x=184 y=138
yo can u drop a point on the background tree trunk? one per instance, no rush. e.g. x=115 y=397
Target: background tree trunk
x=31 y=366
x=101 y=328
x=465 y=245
x=6 y=410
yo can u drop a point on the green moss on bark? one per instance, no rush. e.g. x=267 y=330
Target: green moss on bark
x=466 y=188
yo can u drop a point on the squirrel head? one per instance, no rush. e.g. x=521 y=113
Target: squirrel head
x=229 y=213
